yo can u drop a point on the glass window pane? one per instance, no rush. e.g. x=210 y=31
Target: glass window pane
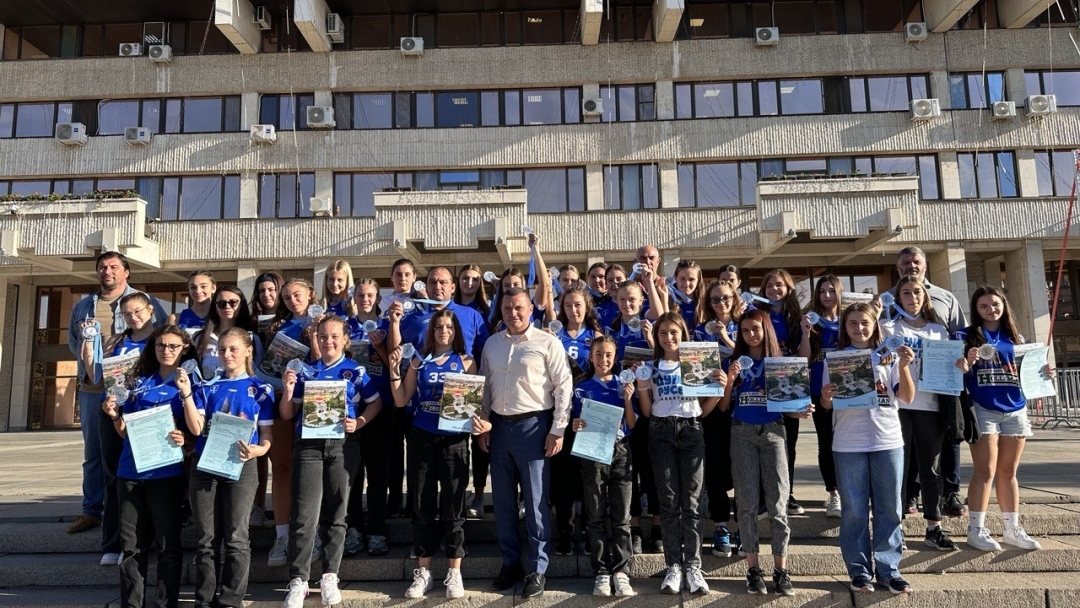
x=512 y=107
x=976 y=91
x=403 y=111
x=546 y=190
x=958 y=91
x=403 y=179
x=267 y=195
x=806 y=165
x=27 y=188
x=364 y=187
x=200 y=198
x=492 y=177
x=575 y=185
x=64 y=112
x=7 y=120
x=170 y=198
x=343 y=110
x=459 y=109
x=343 y=193
x=489 y=108
x=425 y=110
x=172 y=115
x=801 y=97
x=1033 y=83
x=151 y=114
x=459 y=177
x=1066 y=85
x=650 y=187
x=607 y=100
x=542 y=107
x=920 y=87
x=372 y=111
x=515 y=178
x=1043 y=174
x=986 y=174
x=772 y=168
x=612 y=193
x=717 y=185
x=888 y=93
x=116 y=184
x=1063 y=164
x=895 y=164
x=202 y=116
x=858 y=94
x=34 y=120
x=426 y=180
x=232 y=114
x=1006 y=169
x=149 y=189
x=928 y=177
x=286 y=113
x=232 y=197
x=631 y=187
x=748 y=183
x=683 y=105
x=966 y=165
x=571 y=106
x=115 y=116
x=627 y=103
x=82 y=186
x=995 y=83
x=766 y=90
x=840 y=165
x=713 y=100
x=286 y=195
x=307 y=190
x=686 y=184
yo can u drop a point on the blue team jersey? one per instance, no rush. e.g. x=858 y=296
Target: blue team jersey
x=358 y=386
x=429 y=390
x=748 y=400
x=605 y=392
x=701 y=335
x=151 y=392
x=365 y=354
x=414 y=328
x=127 y=345
x=244 y=397
x=189 y=320
x=338 y=308
x=624 y=336
x=830 y=337
x=607 y=312
x=780 y=327
x=994 y=383
x=577 y=347
x=688 y=310
x=294 y=327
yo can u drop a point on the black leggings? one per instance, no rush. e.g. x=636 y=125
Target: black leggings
x=824 y=429
x=643 y=482
x=717 y=429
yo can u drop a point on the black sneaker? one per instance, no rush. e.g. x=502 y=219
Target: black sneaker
x=755 y=582
x=793 y=507
x=911 y=506
x=937 y=539
x=953 y=507
x=862 y=584
x=899 y=586
x=636 y=544
x=657 y=538
x=508 y=577
x=534 y=586
x=564 y=546
x=782 y=582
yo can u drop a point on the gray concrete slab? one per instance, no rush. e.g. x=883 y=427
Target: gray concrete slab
x=84 y=597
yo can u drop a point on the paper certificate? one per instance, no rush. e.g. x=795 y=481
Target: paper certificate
x=148 y=434
x=462 y=395
x=787 y=384
x=324 y=409
x=115 y=370
x=1032 y=359
x=282 y=349
x=698 y=361
x=602 y=423
x=852 y=372
x=939 y=373
x=220 y=454
x=634 y=354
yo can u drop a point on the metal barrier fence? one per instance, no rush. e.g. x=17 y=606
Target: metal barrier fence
x=1064 y=408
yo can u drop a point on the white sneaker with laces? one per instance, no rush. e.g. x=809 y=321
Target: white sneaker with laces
x=832 y=506
x=111 y=559
x=672 y=580
x=296 y=594
x=279 y=553
x=622 y=585
x=695 y=581
x=421 y=584
x=328 y=587
x=602 y=585
x=979 y=538
x=1017 y=537
x=454 y=587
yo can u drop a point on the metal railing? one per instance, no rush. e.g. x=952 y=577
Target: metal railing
x=1064 y=408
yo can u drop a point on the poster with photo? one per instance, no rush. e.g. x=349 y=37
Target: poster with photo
x=325 y=408
x=852 y=371
x=697 y=362
x=462 y=396
x=787 y=384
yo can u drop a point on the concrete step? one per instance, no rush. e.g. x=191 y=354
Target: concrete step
x=51 y=537
x=930 y=591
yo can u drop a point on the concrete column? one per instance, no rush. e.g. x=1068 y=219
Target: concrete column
x=991 y=272
x=1025 y=276
x=249 y=110
x=1018 y=13
x=310 y=18
x=324 y=183
x=249 y=195
x=246 y=273
x=324 y=98
x=6 y=349
x=666 y=17
x=235 y=19
x=665 y=100
x=948 y=270
x=22 y=367
x=1026 y=173
x=939 y=88
x=594 y=187
x=950 y=175
x=319 y=278
x=592 y=14
x=1015 y=86
x=940 y=15
x=589 y=261
x=669 y=185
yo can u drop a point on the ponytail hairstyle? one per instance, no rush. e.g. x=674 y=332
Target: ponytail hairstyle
x=481 y=298
x=790 y=306
x=976 y=339
x=816 y=306
x=283 y=313
x=599 y=338
x=631 y=285
x=245 y=338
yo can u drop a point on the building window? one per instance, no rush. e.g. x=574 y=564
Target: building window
x=286 y=112
x=886 y=93
x=1055 y=170
x=195 y=115
x=925 y=167
x=1065 y=85
x=631 y=187
x=973 y=91
x=354 y=193
x=717 y=184
x=190 y=197
x=286 y=195
x=987 y=174
x=626 y=103
x=458 y=109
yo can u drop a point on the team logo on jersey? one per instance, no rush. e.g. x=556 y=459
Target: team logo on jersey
x=453 y=366
x=347 y=374
x=251 y=392
x=588 y=341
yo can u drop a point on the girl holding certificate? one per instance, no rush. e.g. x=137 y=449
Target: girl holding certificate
x=993 y=382
x=471 y=290
x=868 y=448
x=607 y=486
x=320 y=479
x=676 y=449
x=757 y=450
x=687 y=290
x=336 y=285
x=819 y=338
x=438 y=460
x=219 y=502
x=920 y=420
x=150 y=500
x=201 y=289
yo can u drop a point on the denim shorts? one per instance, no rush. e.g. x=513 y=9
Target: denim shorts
x=1010 y=424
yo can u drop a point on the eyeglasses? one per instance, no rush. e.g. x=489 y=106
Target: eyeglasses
x=131 y=313
x=172 y=348
x=227 y=303
x=720 y=300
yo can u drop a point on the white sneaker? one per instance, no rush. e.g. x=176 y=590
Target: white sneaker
x=832 y=506
x=1017 y=537
x=672 y=580
x=979 y=538
x=454 y=587
x=602 y=585
x=695 y=581
x=622 y=585
x=328 y=587
x=421 y=584
x=279 y=553
x=257 y=519
x=297 y=593
x=111 y=559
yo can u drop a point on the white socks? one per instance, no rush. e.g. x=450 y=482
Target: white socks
x=1011 y=519
x=977 y=519
x=282 y=530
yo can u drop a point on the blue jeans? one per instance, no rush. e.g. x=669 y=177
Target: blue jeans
x=517 y=455
x=870 y=480
x=93 y=481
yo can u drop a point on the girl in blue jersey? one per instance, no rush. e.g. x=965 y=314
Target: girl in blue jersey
x=686 y=291
x=607 y=486
x=471 y=290
x=608 y=310
x=150 y=500
x=677 y=450
x=815 y=341
x=868 y=449
x=201 y=289
x=230 y=310
x=597 y=286
x=718 y=305
x=579 y=327
x=757 y=451
x=336 y=285
x=438 y=460
x=220 y=503
x=992 y=381
x=320 y=480
x=729 y=273
x=569 y=277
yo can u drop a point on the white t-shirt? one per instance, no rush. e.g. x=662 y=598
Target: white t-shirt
x=668 y=400
x=873 y=429
x=913 y=339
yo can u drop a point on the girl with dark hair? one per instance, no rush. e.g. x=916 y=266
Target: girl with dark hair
x=471 y=290
x=201 y=288
x=686 y=290
x=230 y=310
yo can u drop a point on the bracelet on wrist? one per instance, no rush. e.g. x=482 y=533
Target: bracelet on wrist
x=185 y=397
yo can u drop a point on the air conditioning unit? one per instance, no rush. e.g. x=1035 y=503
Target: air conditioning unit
x=70 y=133
x=320 y=117
x=412 y=46
x=914 y=32
x=1041 y=105
x=130 y=49
x=160 y=53
x=767 y=36
x=335 y=28
x=924 y=109
x=321 y=206
x=1003 y=110
x=592 y=107
x=137 y=136
x=262 y=18
x=263 y=134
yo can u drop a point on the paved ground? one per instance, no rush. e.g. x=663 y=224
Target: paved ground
x=40 y=472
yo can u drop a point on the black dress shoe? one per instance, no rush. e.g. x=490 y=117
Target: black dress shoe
x=508 y=577
x=534 y=586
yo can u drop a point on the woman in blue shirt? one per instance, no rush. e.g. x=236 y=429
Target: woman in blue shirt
x=201 y=289
x=337 y=283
